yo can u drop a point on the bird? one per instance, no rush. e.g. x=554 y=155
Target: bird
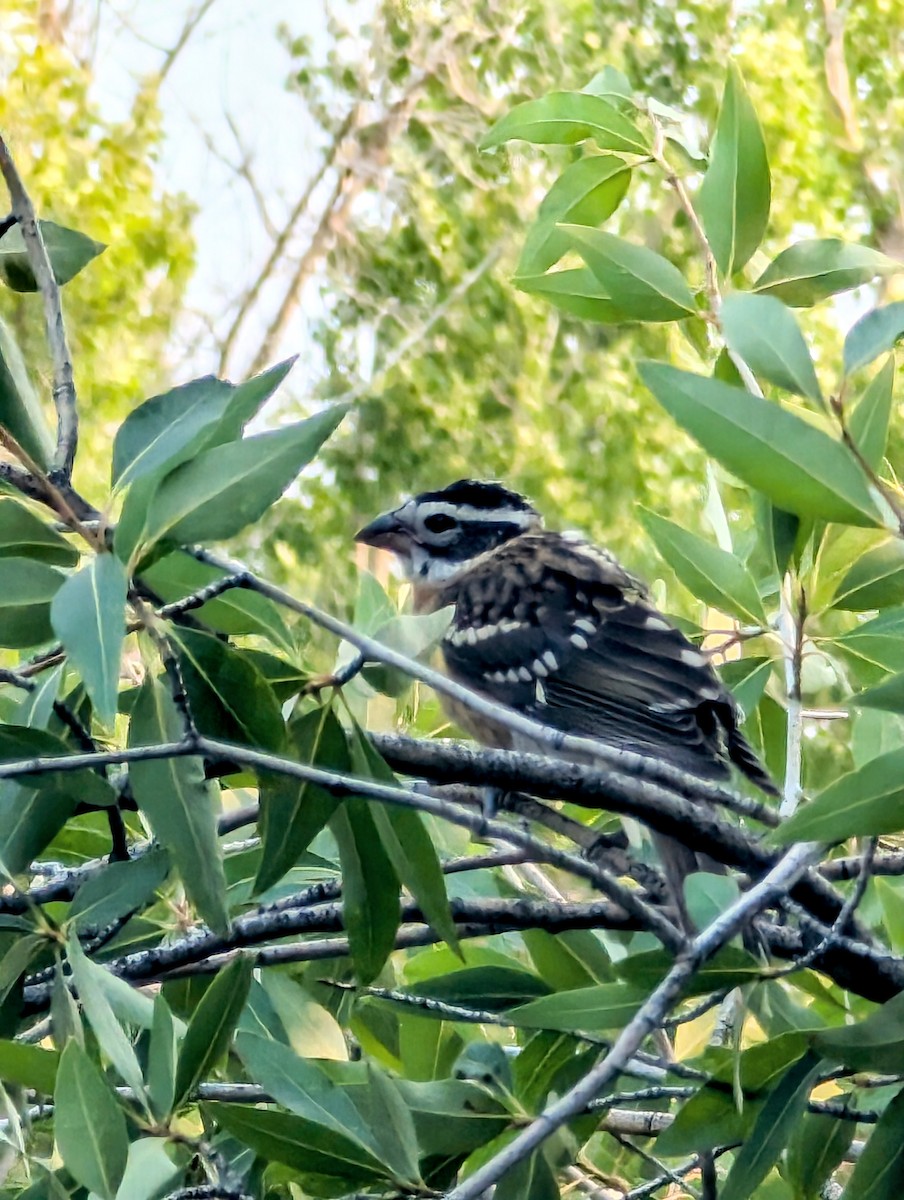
x=556 y=628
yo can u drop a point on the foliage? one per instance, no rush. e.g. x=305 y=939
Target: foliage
x=355 y=1002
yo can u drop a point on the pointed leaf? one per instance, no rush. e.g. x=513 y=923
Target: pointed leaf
x=868 y=422
x=775 y=1122
x=96 y=1007
x=712 y=575
x=370 y=888
x=874 y=1044
x=163 y=431
x=813 y=269
x=26 y=590
x=864 y=802
x=228 y=487
x=88 y=616
x=643 y=285
x=29 y=1066
x=564 y=118
x=889 y=696
x=247 y=399
x=576 y=291
x=24 y=534
x=606 y=1006
x=798 y=467
x=211 y=1026
x=395 y=1133
x=68 y=250
x=586 y=193
x=117 y=889
x=178 y=802
x=150 y=1173
x=736 y=190
x=765 y=334
x=529 y=1179
x=876 y=580
x=90 y=1127
x=162 y=1059
x=875 y=333
x=879 y=1172
x=21 y=411
x=817 y=1146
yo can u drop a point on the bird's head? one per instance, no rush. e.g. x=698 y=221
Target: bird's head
x=436 y=535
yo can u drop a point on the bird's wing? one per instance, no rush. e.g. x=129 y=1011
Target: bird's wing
x=559 y=630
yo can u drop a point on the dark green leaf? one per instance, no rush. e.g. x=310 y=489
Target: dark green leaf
x=87 y=977
x=90 y=1127
x=606 y=1006
x=68 y=250
x=26 y=590
x=564 y=118
x=164 y=431
x=572 y=959
x=800 y=468
x=874 y=334
x=586 y=193
x=874 y=1044
x=222 y=490
x=813 y=269
x=305 y=1145
x=489 y=987
x=394 y=1131
x=708 y=1119
x=868 y=421
x=765 y=334
x=746 y=679
x=117 y=889
x=163 y=1052
x=20 y=409
x=736 y=190
x=370 y=888
x=178 y=802
x=867 y=801
x=238 y=611
x=17 y=959
x=879 y=1172
x=576 y=291
x=407 y=844
x=709 y=573
x=784 y=1107
x=707 y=896
x=453 y=1116
x=530 y=1179
x=211 y=1026
x=228 y=696
x=292 y=811
x=246 y=400
x=23 y=534
x=817 y=1145
x=29 y=1066
x=874 y=581
x=88 y=616
x=888 y=696
x=643 y=285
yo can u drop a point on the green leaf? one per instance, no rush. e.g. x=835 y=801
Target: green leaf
x=775 y=1122
x=29 y=1066
x=492 y=987
x=876 y=580
x=164 y=431
x=247 y=399
x=815 y=268
x=211 y=1026
x=304 y=1087
x=453 y=1117
x=222 y=490
x=889 y=696
x=643 y=285
x=864 y=802
x=370 y=888
x=817 y=1146
x=873 y=1044
x=96 y=1007
x=565 y=118
x=228 y=696
x=765 y=334
x=150 y=1172
x=68 y=250
x=529 y=1179
x=736 y=190
x=868 y=421
x=798 y=467
x=88 y=615
x=178 y=802
x=163 y=1053
x=90 y=1128
x=17 y=959
x=879 y=1172
x=586 y=193
x=746 y=679
x=606 y=1006
x=20 y=409
x=236 y=612
x=875 y=333
x=26 y=590
x=292 y=811
x=394 y=1130
x=708 y=1119
x=576 y=291
x=709 y=573
x=117 y=889
x=407 y=844
x=23 y=534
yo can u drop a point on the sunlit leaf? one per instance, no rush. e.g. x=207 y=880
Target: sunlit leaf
x=868 y=420
x=876 y=580
x=564 y=118
x=864 y=802
x=875 y=333
x=643 y=285
x=20 y=409
x=766 y=335
x=88 y=616
x=68 y=250
x=576 y=291
x=813 y=269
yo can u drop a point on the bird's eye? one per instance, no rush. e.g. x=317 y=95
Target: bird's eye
x=439 y=522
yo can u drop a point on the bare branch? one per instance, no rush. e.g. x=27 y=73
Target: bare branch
x=194 y=20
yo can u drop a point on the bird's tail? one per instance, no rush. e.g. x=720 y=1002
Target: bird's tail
x=745 y=758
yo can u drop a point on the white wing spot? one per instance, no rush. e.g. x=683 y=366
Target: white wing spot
x=540 y=692
x=585 y=625
x=550 y=659
x=657 y=623
x=693 y=658
x=524 y=674
x=496 y=676
x=539 y=668
x=578 y=639
x=512 y=676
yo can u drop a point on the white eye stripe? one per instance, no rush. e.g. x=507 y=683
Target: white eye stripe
x=466 y=512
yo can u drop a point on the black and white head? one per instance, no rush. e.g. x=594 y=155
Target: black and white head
x=437 y=534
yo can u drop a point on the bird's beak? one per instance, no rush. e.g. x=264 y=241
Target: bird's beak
x=386 y=532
